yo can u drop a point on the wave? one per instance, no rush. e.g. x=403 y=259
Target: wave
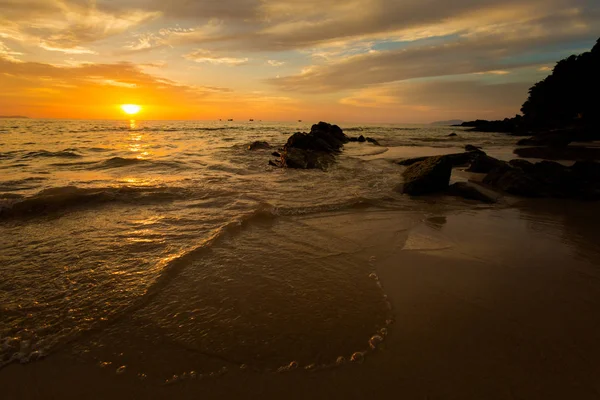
x=67 y=153
x=120 y=162
x=71 y=198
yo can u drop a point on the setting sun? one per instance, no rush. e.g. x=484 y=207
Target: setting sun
x=131 y=109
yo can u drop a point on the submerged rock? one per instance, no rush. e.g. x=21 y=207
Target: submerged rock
x=259 y=145
x=428 y=176
x=373 y=141
x=452 y=134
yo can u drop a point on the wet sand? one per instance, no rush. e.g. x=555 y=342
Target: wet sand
x=488 y=303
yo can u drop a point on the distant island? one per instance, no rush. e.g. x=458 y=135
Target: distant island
x=13 y=116
x=450 y=122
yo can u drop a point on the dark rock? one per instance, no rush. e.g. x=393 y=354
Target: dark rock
x=507 y=125
x=361 y=139
x=275 y=163
x=456 y=159
x=587 y=171
x=522 y=164
x=353 y=139
x=472 y=192
x=428 y=176
x=307 y=159
x=514 y=181
x=548 y=179
x=259 y=145
x=275 y=154
x=547 y=140
x=452 y=134
x=373 y=141
x=470 y=147
x=483 y=164
x=573 y=153
x=314 y=149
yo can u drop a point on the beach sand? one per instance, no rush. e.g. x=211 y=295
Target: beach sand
x=487 y=303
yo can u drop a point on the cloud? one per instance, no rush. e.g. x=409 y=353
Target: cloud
x=485 y=52
x=94 y=91
x=454 y=99
x=66 y=25
x=303 y=24
x=8 y=54
x=205 y=56
x=275 y=63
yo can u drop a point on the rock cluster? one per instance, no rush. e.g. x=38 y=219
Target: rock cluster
x=316 y=149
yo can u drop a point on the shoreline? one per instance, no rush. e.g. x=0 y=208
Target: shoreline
x=488 y=302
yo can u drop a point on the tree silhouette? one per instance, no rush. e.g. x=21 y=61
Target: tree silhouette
x=569 y=96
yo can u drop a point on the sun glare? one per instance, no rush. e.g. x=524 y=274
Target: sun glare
x=130 y=109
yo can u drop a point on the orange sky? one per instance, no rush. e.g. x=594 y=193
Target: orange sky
x=396 y=61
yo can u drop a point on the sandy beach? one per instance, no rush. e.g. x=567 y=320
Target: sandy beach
x=487 y=302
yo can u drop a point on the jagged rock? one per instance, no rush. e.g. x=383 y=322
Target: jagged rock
x=371 y=140
x=472 y=191
x=361 y=139
x=259 y=145
x=314 y=149
x=306 y=159
x=483 y=163
x=428 y=176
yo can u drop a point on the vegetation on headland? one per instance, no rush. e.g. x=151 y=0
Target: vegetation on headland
x=568 y=98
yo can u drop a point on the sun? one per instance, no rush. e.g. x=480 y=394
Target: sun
x=130 y=109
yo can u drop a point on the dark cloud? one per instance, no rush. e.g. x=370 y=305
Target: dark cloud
x=470 y=54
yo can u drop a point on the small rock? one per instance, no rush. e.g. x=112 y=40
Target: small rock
x=452 y=134
x=259 y=145
x=361 y=139
x=275 y=154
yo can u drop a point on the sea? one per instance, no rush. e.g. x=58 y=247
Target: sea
x=145 y=246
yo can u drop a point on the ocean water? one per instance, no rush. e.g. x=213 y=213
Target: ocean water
x=172 y=239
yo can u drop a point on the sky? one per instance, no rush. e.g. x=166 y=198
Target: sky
x=387 y=61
